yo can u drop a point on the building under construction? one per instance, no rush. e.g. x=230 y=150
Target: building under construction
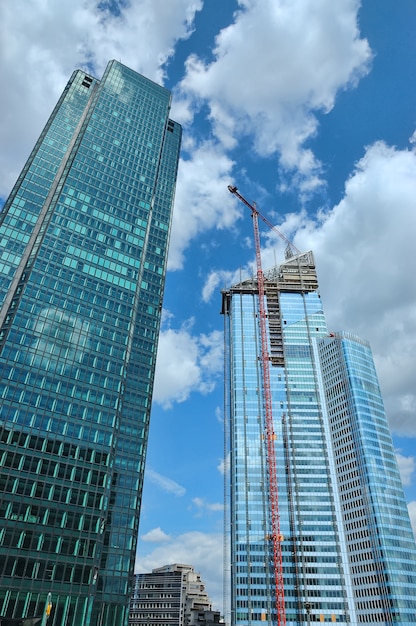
x=317 y=529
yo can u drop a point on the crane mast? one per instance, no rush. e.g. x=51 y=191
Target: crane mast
x=275 y=536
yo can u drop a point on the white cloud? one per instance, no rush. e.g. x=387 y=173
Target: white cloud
x=156 y=535
x=211 y=284
x=58 y=37
x=219 y=414
x=363 y=249
x=186 y=363
x=201 y=550
x=366 y=267
x=275 y=67
x=165 y=483
x=224 y=464
x=412 y=513
x=202 y=201
x=220 y=279
x=204 y=507
x=406 y=467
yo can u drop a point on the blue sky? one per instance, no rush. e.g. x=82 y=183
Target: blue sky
x=309 y=107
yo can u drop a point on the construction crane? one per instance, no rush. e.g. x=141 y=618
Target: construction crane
x=275 y=536
x=291 y=249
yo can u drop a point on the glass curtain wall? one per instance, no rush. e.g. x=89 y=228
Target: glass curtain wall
x=380 y=543
x=83 y=241
x=316 y=588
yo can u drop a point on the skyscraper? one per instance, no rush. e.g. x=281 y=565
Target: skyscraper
x=379 y=541
x=347 y=550
x=83 y=247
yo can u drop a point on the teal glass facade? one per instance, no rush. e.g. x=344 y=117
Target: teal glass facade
x=320 y=584
x=83 y=247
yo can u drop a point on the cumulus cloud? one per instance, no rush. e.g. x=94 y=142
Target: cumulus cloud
x=58 y=37
x=165 y=483
x=364 y=252
x=156 y=535
x=202 y=201
x=406 y=468
x=221 y=279
x=219 y=414
x=224 y=465
x=204 y=507
x=186 y=363
x=314 y=51
x=204 y=551
x=363 y=249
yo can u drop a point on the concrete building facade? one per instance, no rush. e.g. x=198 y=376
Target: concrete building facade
x=172 y=595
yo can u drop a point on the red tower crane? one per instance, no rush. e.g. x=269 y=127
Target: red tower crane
x=275 y=536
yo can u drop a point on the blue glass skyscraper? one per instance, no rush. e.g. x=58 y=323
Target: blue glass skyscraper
x=379 y=541
x=83 y=246
x=330 y=574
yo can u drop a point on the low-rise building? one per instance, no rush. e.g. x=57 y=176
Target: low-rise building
x=172 y=595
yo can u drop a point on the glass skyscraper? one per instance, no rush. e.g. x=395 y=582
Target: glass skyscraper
x=348 y=554
x=379 y=541
x=83 y=247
